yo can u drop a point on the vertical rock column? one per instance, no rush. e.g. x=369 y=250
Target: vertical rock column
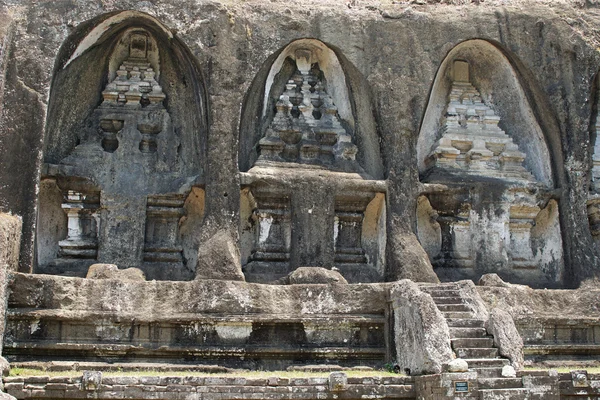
x=10 y=238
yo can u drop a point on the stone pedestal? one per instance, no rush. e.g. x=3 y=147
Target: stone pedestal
x=522 y=219
x=593 y=209
x=162 y=243
x=82 y=226
x=348 y=224
x=456 y=249
x=270 y=258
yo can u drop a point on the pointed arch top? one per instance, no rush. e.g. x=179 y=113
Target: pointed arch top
x=498 y=82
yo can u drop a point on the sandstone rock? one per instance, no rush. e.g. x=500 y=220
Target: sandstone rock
x=471 y=297
x=509 y=372
x=10 y=239
x=131 y=274
x=6 y=396
x=458 y=365
x=338 y=381
x=102 y=271
x=506 y=337
x=491 y=280
x=315 y=368
x=111 y=271
x=91 y=380
x=304 y=275
x=4 y=366
x=219 y=258
x=409 y=258
x=421 y=333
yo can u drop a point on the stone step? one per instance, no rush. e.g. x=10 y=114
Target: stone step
x=487 y=373
x=503 y=394
x=465 y=323
x=452 y=285
x=483 y=343
x=475 y=363
x=453 y=307
x=448 y=300
x=457 y=314
x=442 y=292
x=499 y=383
x=476 y=353
x=460 y=332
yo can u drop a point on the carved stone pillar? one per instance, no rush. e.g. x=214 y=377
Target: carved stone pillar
x=457 y=248
x=349 y=215
x=82 y=225
x=521 y=221
x=162 y=243
x=593 y=209
x=271 y=252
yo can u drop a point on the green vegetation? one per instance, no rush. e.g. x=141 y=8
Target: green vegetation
x=240 y=373
x=590 y=370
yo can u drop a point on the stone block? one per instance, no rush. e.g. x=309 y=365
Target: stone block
x=506 y=336
x=338 y=381
x=421 y=333
x=91 y=380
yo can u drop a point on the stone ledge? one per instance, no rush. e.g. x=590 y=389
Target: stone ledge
x=174 y=387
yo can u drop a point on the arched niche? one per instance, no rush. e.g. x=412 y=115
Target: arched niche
x=311 y=170
x=344 y=83
x=492 y=74
x=481 y=140
x=127 y=116
x=88 y=60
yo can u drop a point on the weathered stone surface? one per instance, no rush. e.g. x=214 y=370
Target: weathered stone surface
x=338 y=381
x=91 y=380
x=244 y=320
x=409 y=260
x=6 y=396
x=111 y=271
x=508 y=371
x=304 y=275
x=219 y=258
x=506 y=336
x=524 y=302
x=421 y=331
x=471 y=297
x=457 y=365
x=145 y=300
x=10 y=240
x=397 y=116
x=491 y=280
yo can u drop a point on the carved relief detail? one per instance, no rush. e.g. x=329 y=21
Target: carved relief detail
x=306 y=127
x=82 y=225
x=162 y=243
x=471 y=139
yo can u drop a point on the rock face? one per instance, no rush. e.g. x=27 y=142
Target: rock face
x=10 y=240
x=219 y=258
x=111 y=271
x=315 y=275
x=458 y=365
x=469 y=119
x=506 y=337
x=491 y=280
x=421 y=333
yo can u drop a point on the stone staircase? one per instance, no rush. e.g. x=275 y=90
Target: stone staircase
x=471 y=342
